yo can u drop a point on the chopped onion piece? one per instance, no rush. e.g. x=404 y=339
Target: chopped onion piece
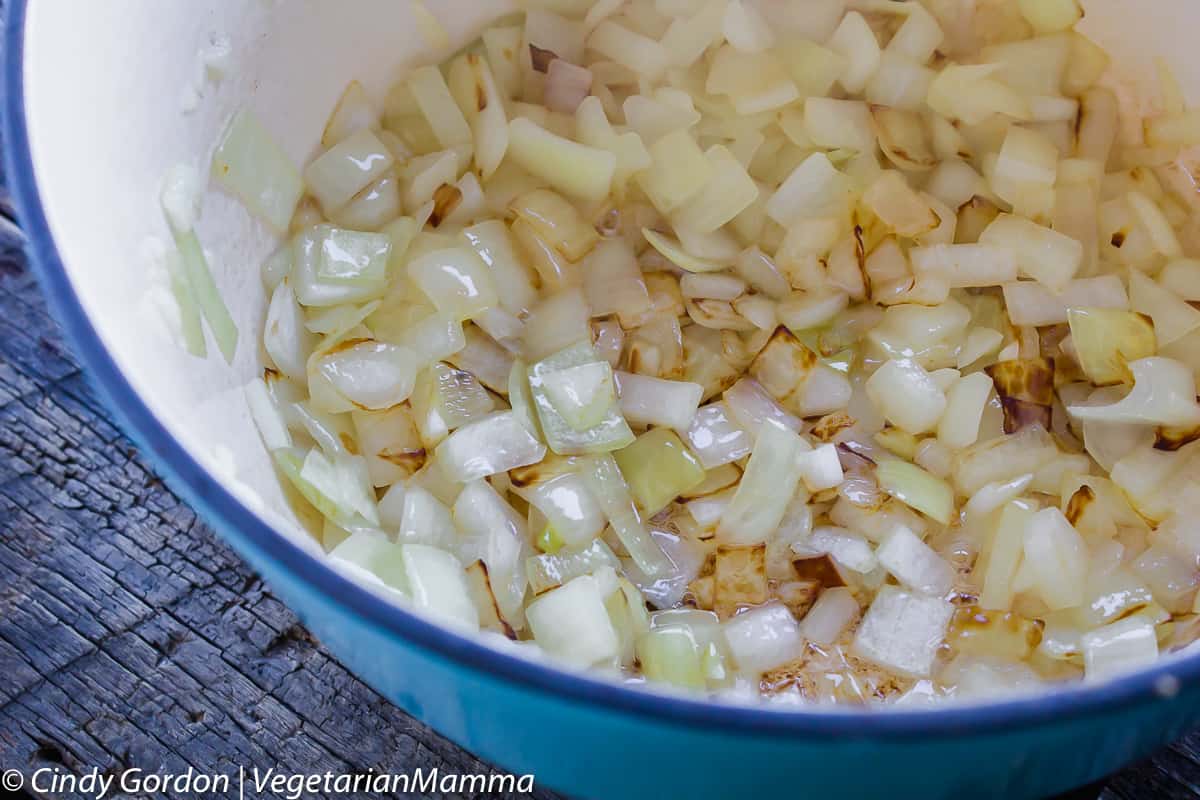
x=966 y=401
x=436 y=337
x=267 y=417
x=646 y=400
x=613 y=281
x=715 y=437
x=456 y=280
x=559 y=321
x=675 y=253
x=848 y=549
x=915 y=564
x=903 y=631
x=994 y=495
x=917 y=489
x=490 y=530
x=906 y=395
x=569 y=507
x=572 y=168
x=1182 y=276
x=814 y=189
x=608 y=486
x=1031 y=304
x=639 y=53
x=820 y=468
x=835 y=610
x=768 y=483
x=658 y=468
x=745 y=29
x=1164 y=393
x=1106 y=340
x=369 y=375
x=678 y=172
x=1173 y=317
x=1042 y=254
x=572 y=623
x=424 y=520
x=966 y=265
x=611 y=432
x=855 y=41
x=548 y=570
x=730 y=191
x=346 y=169
x=581 y=395
x=252 y=166
x=494 y=444
x=1119 y=647
x=750 y=406
x=763 y=637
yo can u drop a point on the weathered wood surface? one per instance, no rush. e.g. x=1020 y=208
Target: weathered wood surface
x=130 y=636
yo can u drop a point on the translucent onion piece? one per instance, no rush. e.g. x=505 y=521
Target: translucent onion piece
x=559 y=321
x=490 y=530
x=915 y=564
x=763 y=638
x=751 y=406
x=252 y=166
x=1042 y=254
x=849 y=549
x=572 y=623
x=1031 y=304
x=677 y=255
x=658 y=468
x=424 y=520
x=572 y=168
x=679 y=171
x=547 y=570
x=267 y=417
x=608 y=486
x=456 y=280
x=1164 y=393
x=814 y=189
x=610 y=433
x=494 y=444
x=355 y=258
x=1119 y=647
x=917 y=489
x=966 y=265
x=612 y=280
x=730 y=191
x=856 y=42
x=436 y=337
x=581 y=395
x=653 y=401
x=569 y=507
x=903 y=631
x=1173 y=317
x=906 y=395
x=835 y=610
x=370 y=554
x=770 y=479
x=370 y=375
x=346 y=169
x=339 y=487
x=716 y=438
x=285 y=338
x=1106 y=340
x=557 y=222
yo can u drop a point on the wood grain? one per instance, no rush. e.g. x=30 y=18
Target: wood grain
x=130 y=636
